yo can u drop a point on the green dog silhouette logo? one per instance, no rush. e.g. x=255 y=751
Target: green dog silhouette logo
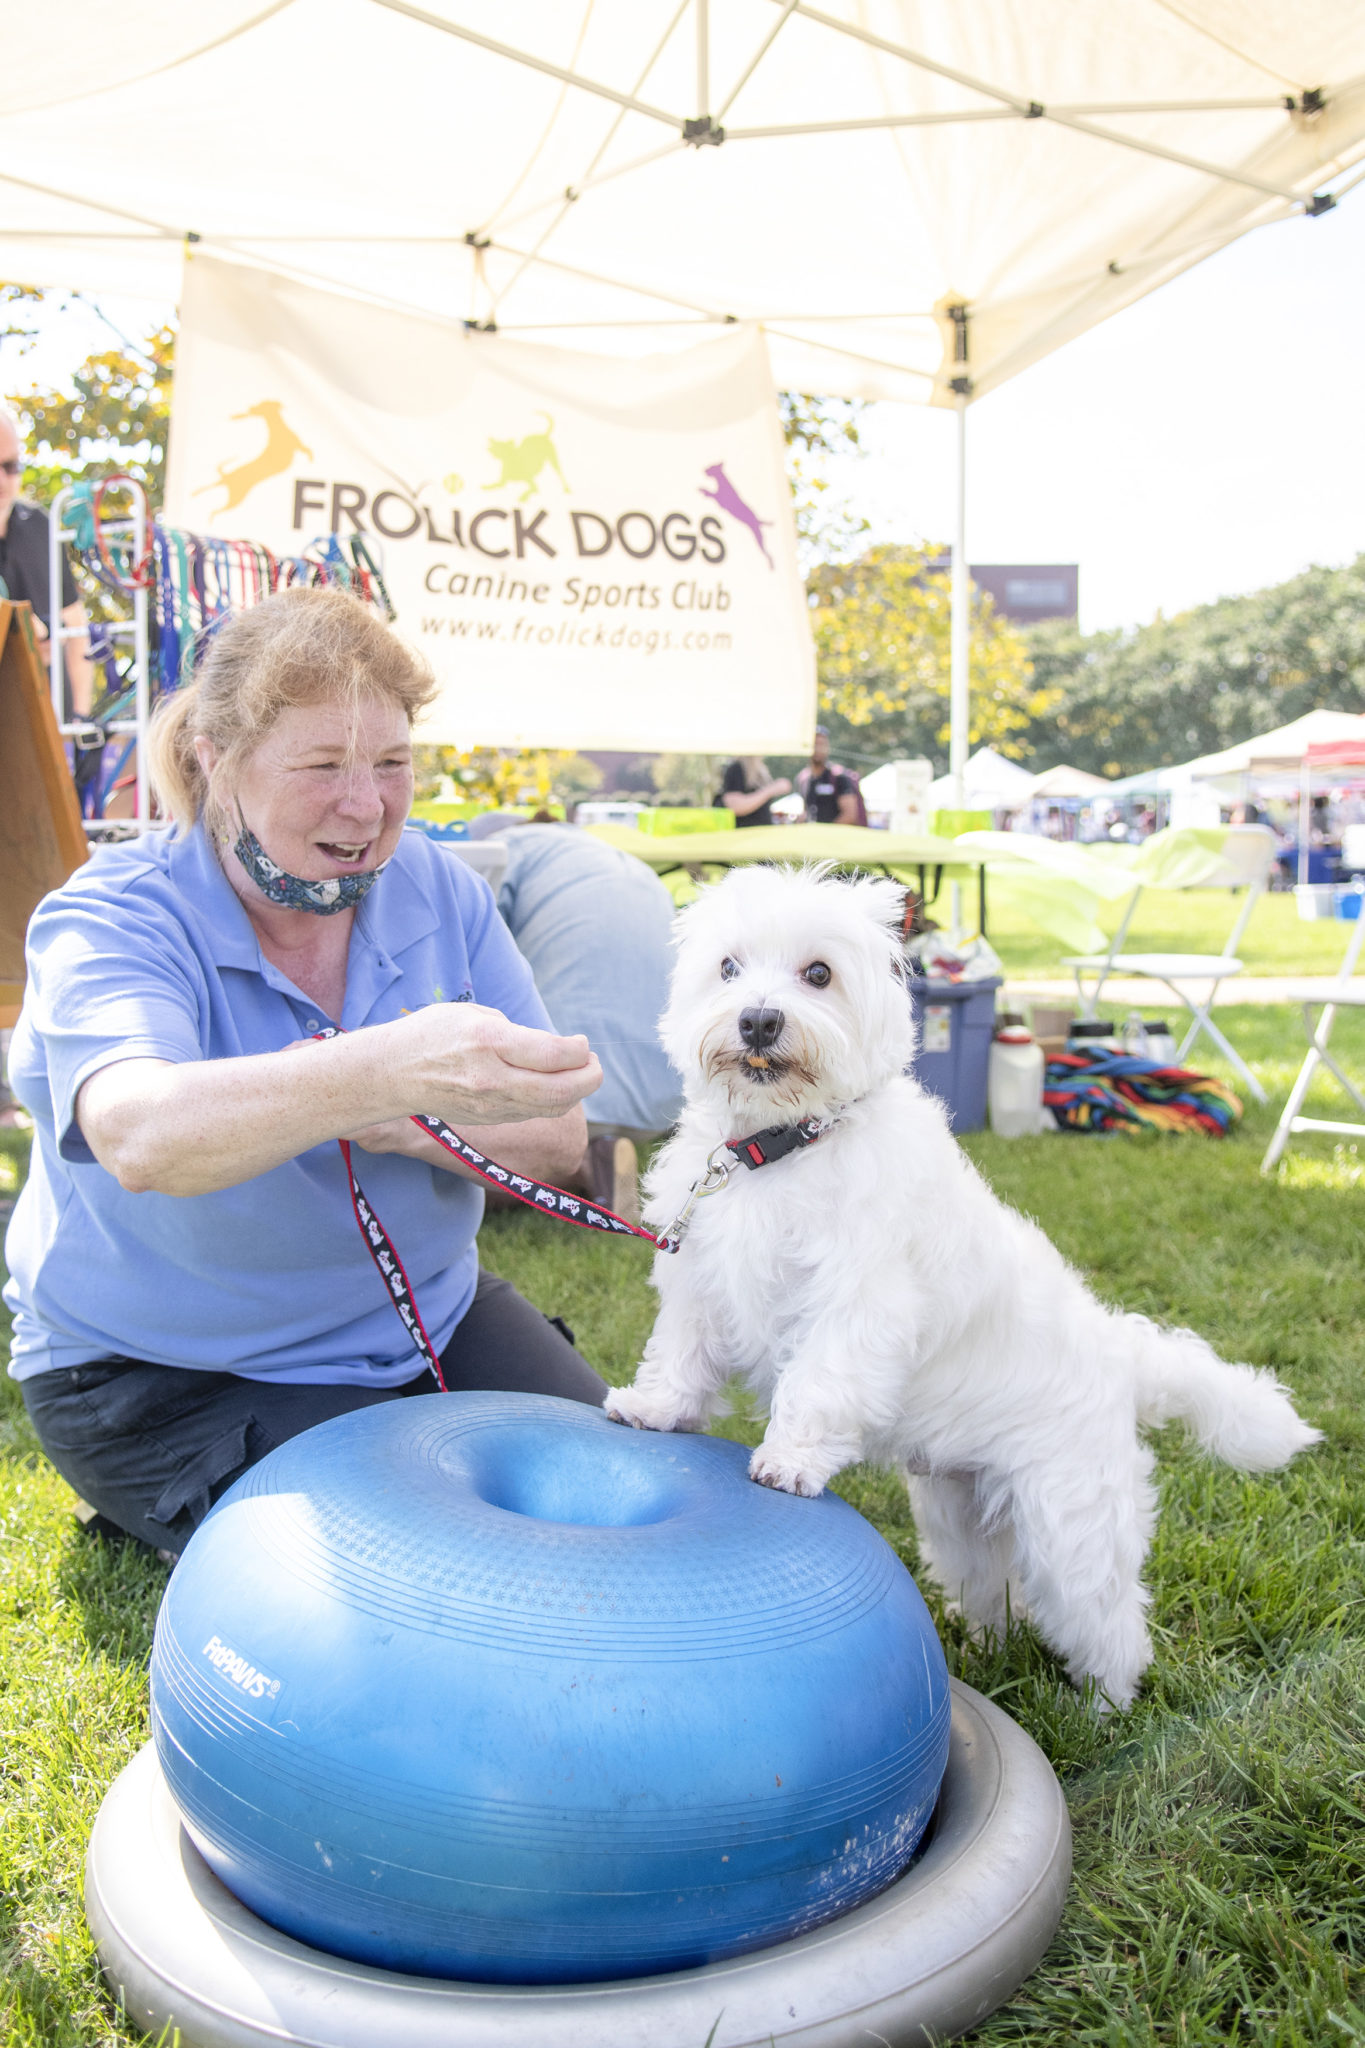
x=522 y=461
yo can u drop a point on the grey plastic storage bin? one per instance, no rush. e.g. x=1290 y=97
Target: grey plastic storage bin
x=954 y=1023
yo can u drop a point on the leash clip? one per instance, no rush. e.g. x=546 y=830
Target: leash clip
x=715 y=1178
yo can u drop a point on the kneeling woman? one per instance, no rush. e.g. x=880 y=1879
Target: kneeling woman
x=189 y=1284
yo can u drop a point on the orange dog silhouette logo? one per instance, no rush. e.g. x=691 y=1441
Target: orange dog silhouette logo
x=282 y=444
x=522 y=461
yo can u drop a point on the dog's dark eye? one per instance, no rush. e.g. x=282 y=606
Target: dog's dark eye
x=728 y=968
x=817 y=974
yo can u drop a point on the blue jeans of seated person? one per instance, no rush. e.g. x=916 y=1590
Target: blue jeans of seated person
x=152 y=1447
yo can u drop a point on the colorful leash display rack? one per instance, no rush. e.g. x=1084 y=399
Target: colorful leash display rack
x=180 y=587
x=197 y=581
x=1110 y=1091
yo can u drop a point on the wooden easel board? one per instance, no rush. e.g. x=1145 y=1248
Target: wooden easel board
x=41 y=837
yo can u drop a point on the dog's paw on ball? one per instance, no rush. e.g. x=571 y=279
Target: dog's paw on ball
x=783 y=1475
x=640 y=1412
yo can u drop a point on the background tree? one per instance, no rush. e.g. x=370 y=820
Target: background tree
x=688 y=778
x=501 y=777
x=882 y=633
x=1207 y=679
x=116 y=416
x=818 y=432
x=24 y=299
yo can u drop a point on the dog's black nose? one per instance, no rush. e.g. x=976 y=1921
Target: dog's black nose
x=760 y=1029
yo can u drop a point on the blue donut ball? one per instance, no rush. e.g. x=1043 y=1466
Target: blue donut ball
x=485 y=1686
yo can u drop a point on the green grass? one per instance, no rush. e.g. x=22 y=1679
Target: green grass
x=1219 y=1826
x=1276 y=941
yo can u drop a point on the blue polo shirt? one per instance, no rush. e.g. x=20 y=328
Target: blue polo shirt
x=147 y=952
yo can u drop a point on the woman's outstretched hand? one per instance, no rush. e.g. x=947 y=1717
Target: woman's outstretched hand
x=187 y=1129
x=537 y=1077
x=469 y=1065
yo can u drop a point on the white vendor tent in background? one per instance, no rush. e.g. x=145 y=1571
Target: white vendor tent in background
x=1189 y=802
x=1278 y=764
x=1268 y=765
x=1066 y=784
x=915 y=199
x=1280 y=752
x=990 y=783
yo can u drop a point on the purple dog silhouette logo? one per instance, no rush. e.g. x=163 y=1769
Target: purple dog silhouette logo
x=729 y=500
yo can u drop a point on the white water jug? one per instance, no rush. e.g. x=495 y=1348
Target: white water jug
x=1015 y=1083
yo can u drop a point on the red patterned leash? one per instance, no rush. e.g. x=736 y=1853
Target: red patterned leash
x=759 y=1149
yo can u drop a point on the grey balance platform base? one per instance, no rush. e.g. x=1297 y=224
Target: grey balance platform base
x=926 y=1959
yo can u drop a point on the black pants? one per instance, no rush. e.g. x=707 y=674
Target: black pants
x=153 y=1446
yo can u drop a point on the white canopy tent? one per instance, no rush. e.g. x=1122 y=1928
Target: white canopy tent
x=1279 y=763
x=1270 y=764
x=1068 y=785
x=1281 y=751
x=916 y=199
x=989 y=783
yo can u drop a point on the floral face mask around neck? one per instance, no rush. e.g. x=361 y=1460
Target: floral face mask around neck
x=294 y=892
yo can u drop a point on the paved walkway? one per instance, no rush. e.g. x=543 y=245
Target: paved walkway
x=1123 y=993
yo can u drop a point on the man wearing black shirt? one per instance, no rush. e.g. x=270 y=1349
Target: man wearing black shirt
x=831 y=795
x=24 y=569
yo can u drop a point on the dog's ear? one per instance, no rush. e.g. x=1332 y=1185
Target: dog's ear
x=884 y=901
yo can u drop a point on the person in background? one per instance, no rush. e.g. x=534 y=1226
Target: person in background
x=748 y=790
x=24 y=570
x=595 y=926
x=831 y=793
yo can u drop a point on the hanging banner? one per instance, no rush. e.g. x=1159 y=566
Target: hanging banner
x=590 y=552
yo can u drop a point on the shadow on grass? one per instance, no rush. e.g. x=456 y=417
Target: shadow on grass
x=115 y=1589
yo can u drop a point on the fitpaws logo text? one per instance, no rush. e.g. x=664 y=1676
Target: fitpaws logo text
x=255 y=1684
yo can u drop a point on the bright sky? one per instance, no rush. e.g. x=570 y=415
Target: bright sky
x=1207 y=441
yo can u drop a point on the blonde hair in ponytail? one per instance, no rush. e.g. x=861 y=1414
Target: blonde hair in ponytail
x=298 y=647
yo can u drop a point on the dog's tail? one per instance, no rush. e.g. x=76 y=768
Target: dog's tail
x=1238 y=1414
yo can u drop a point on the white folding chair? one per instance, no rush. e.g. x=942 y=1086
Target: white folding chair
x=1341 y=996
x=1247 y=857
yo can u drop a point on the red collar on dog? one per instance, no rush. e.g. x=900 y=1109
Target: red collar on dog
x=760 y=1148
x=778 y=1140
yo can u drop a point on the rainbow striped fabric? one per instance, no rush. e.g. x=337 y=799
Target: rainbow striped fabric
x=1114 y=1091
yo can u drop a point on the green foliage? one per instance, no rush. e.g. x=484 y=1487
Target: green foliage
x=117 y=416
x=882 y=633
x=498 y=776
x=816 y=429
x=1205 y=680
x=688 y=778
x=20 y=297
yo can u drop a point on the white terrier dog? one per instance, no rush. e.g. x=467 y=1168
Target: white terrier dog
x=886 y=1306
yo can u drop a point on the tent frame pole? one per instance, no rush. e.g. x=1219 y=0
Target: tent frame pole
x=703 y=59
x=960 y=684
x=959 y=623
